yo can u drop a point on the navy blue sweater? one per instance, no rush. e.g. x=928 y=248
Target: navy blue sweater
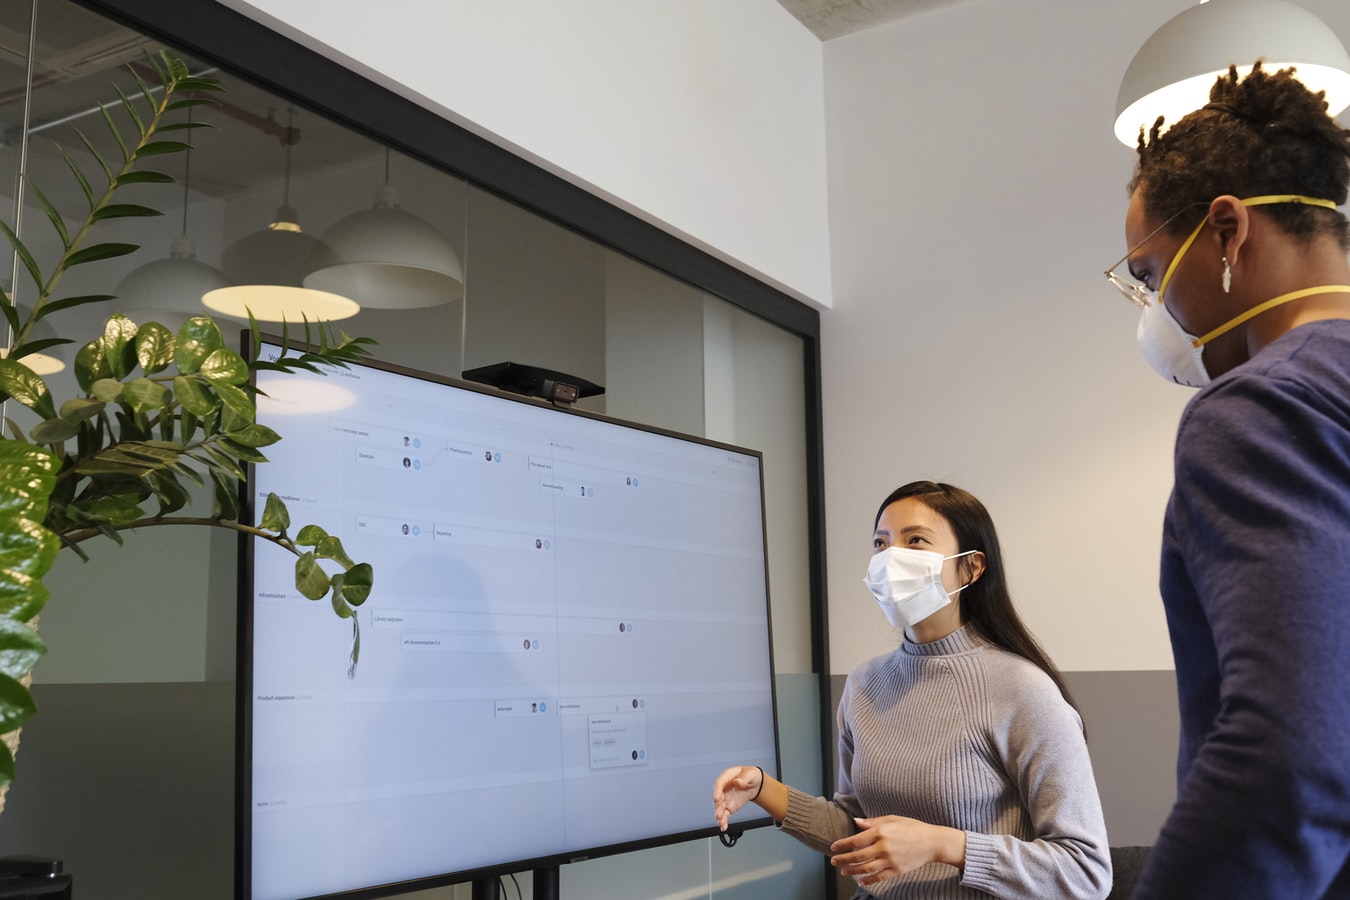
x=1256 y=585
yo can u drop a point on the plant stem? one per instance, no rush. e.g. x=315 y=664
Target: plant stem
x=76 y=537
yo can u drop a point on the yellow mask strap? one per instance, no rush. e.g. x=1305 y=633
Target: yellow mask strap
x=1269 y=304
x=1263 y=200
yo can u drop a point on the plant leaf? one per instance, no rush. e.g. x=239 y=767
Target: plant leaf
x=331 y=548
x=119 y=335
x=358 y=583
x=310 y=580
x=54 y=431
x=197 y=339
x=107 y=390
x=96 y=252
x=22 y=596
x=143 y=176
x=222 y=460
x=55 y=217
x=224 y=366
x=98 y=157
x=123 y=211
x=24 y=256
x=253 y=435
x=194 y=397
x=310 y=536
x=158 y=148
x=77 y=409
x=79 y=175
x=115 y=511
x=131 y=110
x=237 y=400
x=144 y=395
x=16 y=705
x=275 y=516
x=154 y=347
x=226 y=491
x=242 y=452
x=65 y=303
x=21 y=383
x=20 y=647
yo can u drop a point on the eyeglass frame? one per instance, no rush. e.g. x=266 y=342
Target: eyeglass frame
x=1139 y=294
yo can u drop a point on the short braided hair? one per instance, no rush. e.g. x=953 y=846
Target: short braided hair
x=1262 y=134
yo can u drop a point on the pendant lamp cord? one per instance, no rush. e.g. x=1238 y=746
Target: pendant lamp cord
x=187 y=170
x=286 y=185
x=23 y=164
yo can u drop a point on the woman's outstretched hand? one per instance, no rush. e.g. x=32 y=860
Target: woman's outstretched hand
x=889 y=846
x=733 y=789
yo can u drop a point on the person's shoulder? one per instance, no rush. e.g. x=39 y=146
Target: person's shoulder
x=870 y=669
x=871 y=675
x=1304 y=372
x=1018 y=672
x=1314 y=354
x=1018 y=686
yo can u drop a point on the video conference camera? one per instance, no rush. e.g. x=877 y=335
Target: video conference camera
x=558 y=388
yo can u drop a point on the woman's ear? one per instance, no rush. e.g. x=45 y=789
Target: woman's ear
x=974 y=566
x=1230 y=221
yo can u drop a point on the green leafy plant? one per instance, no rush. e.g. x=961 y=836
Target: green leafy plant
x=162 y=415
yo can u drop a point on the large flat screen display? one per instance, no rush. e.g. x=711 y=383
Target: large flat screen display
x=567 y=640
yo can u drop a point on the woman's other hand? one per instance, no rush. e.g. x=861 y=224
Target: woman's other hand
x=889 y=846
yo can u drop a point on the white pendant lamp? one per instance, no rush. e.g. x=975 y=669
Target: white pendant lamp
x=169 y=291
x=1173 y=71
x=47 y=362
x=387 y=258
x=268 y=268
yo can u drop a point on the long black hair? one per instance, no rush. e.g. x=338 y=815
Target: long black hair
x=986 y=606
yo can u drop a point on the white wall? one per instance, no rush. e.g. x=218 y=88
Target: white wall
x=976 y=195
x=703 y=116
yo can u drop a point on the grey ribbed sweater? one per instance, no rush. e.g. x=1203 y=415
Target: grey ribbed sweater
x=961 y=733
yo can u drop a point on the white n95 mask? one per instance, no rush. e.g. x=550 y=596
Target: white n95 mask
x=908 y=584
x=1173 y=354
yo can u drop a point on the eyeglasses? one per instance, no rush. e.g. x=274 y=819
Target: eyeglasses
x=1141 y=295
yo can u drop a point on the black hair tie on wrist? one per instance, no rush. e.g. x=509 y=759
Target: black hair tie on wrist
x=729 y=838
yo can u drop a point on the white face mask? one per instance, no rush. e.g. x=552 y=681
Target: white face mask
x=1178 y=356
x=1171 y=352
x=908 y=584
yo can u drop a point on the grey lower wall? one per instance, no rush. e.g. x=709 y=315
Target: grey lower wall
x=131 y=785
x=1131 y=721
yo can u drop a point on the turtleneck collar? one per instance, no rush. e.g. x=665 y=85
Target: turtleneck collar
x=962 y=640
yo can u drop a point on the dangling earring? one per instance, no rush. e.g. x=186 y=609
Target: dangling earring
x=1227 y=276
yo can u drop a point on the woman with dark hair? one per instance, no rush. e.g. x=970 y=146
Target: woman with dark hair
x=963 y=769
x=1238 y=261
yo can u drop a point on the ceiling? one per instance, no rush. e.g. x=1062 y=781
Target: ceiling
x=835 y=18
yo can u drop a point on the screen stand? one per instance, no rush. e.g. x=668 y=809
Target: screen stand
x=546 y=883
x=486 y=888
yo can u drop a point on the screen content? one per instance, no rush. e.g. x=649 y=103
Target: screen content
x=567 y=640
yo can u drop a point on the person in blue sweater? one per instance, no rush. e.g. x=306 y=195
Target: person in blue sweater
x=1238 y=259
